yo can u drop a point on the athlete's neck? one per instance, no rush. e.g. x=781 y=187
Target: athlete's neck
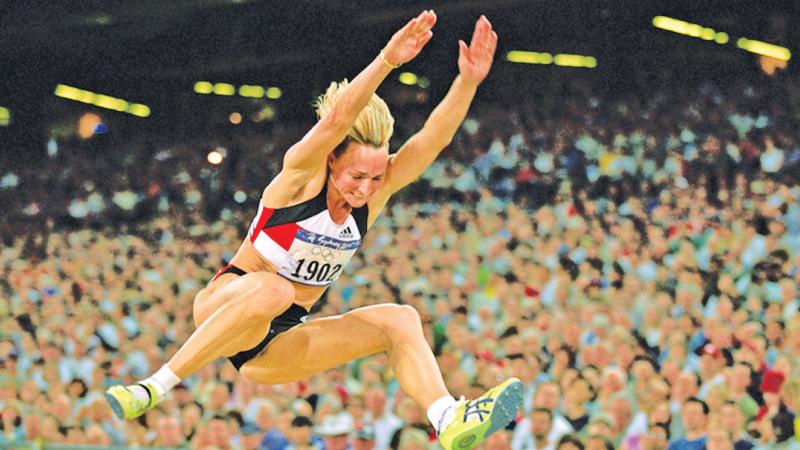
x=337 y=205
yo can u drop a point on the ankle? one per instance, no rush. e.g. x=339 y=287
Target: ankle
x=163 y=380
x=441 y=412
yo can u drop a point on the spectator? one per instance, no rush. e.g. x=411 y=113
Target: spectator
x=695 y=419
x=381 y=417
x=168 y=433
x=733 y=423
x=535 y=433
x=570 y=442
x=336 y=431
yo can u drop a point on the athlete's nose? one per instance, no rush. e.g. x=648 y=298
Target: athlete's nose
x=363 y=188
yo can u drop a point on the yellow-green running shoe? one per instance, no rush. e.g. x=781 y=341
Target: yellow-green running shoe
x=125 y=405
x=475 y=420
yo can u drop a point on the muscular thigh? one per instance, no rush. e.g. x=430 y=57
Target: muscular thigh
x=321 y=344
x=206 y=302
x=226 y=288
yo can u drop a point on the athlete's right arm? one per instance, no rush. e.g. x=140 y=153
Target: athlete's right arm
x=305 y=158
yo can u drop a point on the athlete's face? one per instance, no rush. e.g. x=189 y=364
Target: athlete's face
x=359 y=172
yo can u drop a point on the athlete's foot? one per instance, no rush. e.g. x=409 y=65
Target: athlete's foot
x=475 y=420
x=126 y=405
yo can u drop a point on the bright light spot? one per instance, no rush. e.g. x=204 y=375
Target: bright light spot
x=86 y=96
x=707 y=34
x=101 y=19
x=52 y=148
x=235 y=118
x=423 y=82
x=670 y=24
x=105 y=101
x=694 y=30
x=240 y=197
x=274 y=92
x=139 y=110
x=518 y=56
x=764 y=49
x=266 y=113
x=408 y=78
x=690 y=29
x=87 y=124
x=565 y=59
x=203 y=87
x=214 y=158
x=251 y=91
x=224 y=89
x=5 y=116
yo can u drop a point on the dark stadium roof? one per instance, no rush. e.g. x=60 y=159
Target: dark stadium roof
x=180 y=39
x=150 y=50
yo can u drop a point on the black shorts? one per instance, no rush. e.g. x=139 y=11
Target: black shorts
x=293 y=316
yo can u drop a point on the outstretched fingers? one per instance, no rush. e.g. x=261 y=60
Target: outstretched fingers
x=484 y=39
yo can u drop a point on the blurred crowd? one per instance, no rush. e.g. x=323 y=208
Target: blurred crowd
x=632 y=260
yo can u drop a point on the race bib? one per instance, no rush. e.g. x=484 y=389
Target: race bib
x=316 y=259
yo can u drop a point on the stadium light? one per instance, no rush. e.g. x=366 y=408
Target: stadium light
x=251 y=91
x=107 y=102
x=408 y=78
x=101 y=100
x=764 y=49
x=224 y=89
x=689 y=29
x=522 y=57
x=214 y=157
x=5 y=117
x=565 y=59
x=139 y=110
x=203 y=87
x=274 y=93
x=561 y=59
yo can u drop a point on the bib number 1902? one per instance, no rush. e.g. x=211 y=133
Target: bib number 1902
x=316 y=271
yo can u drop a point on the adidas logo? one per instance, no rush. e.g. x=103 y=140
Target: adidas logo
x=346 y=233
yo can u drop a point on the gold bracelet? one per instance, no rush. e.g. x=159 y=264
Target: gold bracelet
x=388 y=64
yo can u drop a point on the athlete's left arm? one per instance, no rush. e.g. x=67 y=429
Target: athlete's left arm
x=422 y=149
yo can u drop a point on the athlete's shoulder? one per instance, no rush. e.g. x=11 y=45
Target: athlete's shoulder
x=288 y=189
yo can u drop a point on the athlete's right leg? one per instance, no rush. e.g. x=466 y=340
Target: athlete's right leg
x=233 y=318
x=231 y=315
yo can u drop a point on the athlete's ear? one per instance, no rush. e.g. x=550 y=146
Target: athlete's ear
x=331 y=159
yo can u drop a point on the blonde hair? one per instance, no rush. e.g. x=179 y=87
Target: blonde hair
x=374 y=124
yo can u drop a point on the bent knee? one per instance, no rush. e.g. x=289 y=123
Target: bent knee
x=267 y=295
x=398 y=320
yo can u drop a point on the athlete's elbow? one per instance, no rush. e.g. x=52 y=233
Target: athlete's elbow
x=336 y=121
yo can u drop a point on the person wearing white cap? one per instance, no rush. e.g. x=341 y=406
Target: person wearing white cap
x=336 y=431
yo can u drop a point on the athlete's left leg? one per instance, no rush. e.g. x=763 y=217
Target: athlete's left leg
x=325 y=343
x=328 y=342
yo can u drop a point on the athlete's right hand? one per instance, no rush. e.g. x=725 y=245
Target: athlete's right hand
x=406 y=44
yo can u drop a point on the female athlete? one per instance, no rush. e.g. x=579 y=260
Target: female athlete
x=312 y=218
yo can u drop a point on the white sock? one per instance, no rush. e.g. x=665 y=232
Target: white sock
x=441 y=412
x=163 y=380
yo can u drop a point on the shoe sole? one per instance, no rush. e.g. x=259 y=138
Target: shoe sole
x=508 y=402
x=115 y=406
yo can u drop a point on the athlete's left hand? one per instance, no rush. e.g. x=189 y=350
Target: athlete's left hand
x=475 y=61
